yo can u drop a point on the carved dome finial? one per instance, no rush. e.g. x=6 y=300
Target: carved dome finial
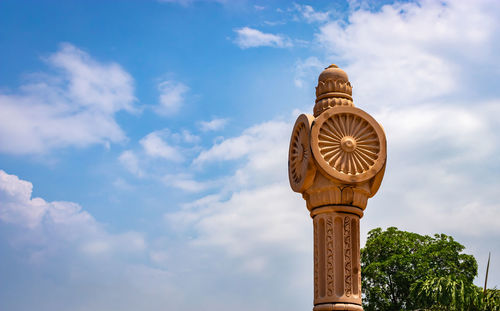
x=333 y=72
x=334 y=89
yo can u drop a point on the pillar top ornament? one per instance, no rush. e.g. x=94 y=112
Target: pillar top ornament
x=336 y=161
x=333 y=72
x=334 y=89
x=338 y=155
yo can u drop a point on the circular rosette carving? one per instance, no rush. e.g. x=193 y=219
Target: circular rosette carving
x=301 y=169
x=348 y=144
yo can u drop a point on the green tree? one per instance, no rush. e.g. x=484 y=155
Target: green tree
x=490 y=301
x=396 y=264
x=448 y=293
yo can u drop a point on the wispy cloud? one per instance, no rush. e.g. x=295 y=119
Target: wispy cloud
x=400 y=46
x=190 y=2
x=188 y=137
x=237 y=218
x=250 y=38
x=157 y=152
x=52 y=224
x=154 y=146
x=131 y=162
x=76 y=107
x=265 y=136
x=171 y=99
x=213 y=125
x=307 y=70
x=310 y=15
x=187 y=183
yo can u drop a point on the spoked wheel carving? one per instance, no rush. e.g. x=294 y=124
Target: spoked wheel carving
x=348 y=144
x=300 y=167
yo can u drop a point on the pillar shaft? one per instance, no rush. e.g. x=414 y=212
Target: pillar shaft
x=337 y=277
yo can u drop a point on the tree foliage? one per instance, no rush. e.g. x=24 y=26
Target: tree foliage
x=448 y=293
x=407 y=271
x=445 y=293
x=491 y=301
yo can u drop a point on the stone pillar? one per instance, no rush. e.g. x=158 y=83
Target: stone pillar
x=336 y=161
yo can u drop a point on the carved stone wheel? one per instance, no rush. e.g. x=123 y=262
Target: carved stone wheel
x=348 y=144
x=301 y=169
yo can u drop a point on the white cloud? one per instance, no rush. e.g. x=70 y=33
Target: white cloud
x=105 y=87
x=213 y=125
x=16 y=190
x=416 y=49
x=159 y=257
x=263 y=145
x=181 y=2
x=93 y=267
x=252 y=225
x=250 y=38
x=308 y=13
x=87 y=266
x=186 y=183
x=251 y=222
x=121 y=184
x=76 y=107
x=462 y=134
x=307 y=70
x=255 y=218
x=262 y=218
x=172 y=97
x=440 y=154
x=190 y=2
x=160 y=152
x=175 y=138
x=274 y=23
x=128 y=242
x=155 y=146
x=442 y=167
x=130 y=161
x=188 y=137
x=53 y=224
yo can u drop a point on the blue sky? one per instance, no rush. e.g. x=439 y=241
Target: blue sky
x=143 y=144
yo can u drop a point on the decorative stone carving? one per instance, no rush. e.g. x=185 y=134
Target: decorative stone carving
x=347 y=256
x=334 y=89
x=316 y=263
x=347 y=143
x=336 y=161
x=329 y=250
x=301 y=169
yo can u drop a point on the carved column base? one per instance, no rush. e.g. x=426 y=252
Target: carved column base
x=337 y=306
x=337 y=275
